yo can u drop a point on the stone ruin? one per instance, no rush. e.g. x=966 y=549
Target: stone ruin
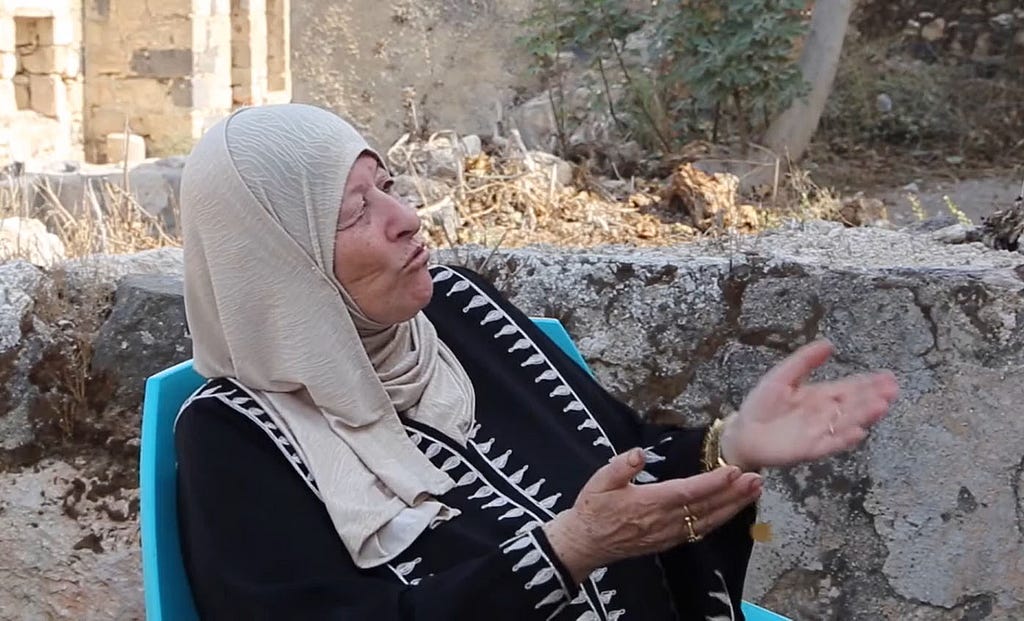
x=73 y=73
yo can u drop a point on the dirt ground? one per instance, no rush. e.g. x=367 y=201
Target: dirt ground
x=976 y=190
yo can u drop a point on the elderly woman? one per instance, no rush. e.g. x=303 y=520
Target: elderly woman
x=382 y=439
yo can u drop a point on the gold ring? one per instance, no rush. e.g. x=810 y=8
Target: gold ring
x=693 y=537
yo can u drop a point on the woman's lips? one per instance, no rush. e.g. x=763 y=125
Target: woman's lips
x=418 y=258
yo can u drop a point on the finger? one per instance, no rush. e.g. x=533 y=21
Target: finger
x=882 y=385
x=617 y=473
x=799 y=365
x=748 y=484
x=887 y=385
x=690 y=491
x=707 y=523
x=861 y=401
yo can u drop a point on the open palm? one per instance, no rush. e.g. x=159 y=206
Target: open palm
x=786 y=420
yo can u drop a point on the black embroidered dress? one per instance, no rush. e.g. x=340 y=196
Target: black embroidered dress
x=258 y=543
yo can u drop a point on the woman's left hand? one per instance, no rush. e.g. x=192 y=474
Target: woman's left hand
x=784 y=420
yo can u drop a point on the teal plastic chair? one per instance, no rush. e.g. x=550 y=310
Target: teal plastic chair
x=167 y=593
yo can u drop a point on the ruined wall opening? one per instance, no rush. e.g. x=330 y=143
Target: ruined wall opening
x=277 y=45
x=36 y=77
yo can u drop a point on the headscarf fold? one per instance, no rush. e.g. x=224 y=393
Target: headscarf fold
x=261 y=194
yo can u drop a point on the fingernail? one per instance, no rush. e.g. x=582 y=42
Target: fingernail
x=734 y=473
x=636 y=457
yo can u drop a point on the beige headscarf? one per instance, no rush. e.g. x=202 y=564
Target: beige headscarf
x=260 y=196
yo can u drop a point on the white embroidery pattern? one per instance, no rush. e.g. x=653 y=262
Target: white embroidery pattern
x=544 y=576
x=234 y=395
x=492 y=498
x=522 y=346
x=650 y=457
x=723 y=597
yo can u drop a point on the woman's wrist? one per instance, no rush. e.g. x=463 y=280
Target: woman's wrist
x=563 y=534
x=727 y=445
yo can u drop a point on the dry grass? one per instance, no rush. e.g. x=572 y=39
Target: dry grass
x=71 y=318
x=513 y=198
x=108 y=220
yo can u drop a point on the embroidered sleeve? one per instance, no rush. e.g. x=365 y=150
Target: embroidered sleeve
x=539 y=571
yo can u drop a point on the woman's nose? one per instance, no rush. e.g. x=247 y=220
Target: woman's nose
x=405 y=222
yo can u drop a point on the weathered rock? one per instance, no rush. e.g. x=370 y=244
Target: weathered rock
x=145 y=332
x=18 y=283
x=70 y=543
x=420 y=191
x=956 y=234
x=28 y=239
x=472 y=146
x=923 y=522
x=861 y=211
x=552 y=165
x=100 y=273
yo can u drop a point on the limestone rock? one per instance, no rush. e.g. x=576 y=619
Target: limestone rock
x=70 y=543
x=28 y=239
x=420 y=191
x=101 y=273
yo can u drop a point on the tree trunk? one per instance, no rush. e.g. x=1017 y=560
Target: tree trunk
x=790 y=133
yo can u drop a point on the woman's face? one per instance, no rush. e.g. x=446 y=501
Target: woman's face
x=378 y=257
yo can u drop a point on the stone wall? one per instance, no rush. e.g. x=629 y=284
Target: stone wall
x=455 y=61
x=924 y=522
x=168 y=69
x=40 y=79
x=163 y=67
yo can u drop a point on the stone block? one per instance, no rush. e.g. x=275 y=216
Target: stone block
x=20 y=85
x=120 y=148
x=24 y=32
x=241 y=54
x=7 y=35
x=103 y=120
x=106 y=56
x=142 y=93
x=180 y=91
x=167 y=63
x=8 y=65
x=101 y=89
x=45 y=59
x=241 y=76
x=160 y=34
x=48 y=95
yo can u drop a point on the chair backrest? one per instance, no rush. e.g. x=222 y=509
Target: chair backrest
x=168 y=596
x=167 y=593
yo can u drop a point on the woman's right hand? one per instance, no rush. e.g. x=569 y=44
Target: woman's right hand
x=613 y=519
